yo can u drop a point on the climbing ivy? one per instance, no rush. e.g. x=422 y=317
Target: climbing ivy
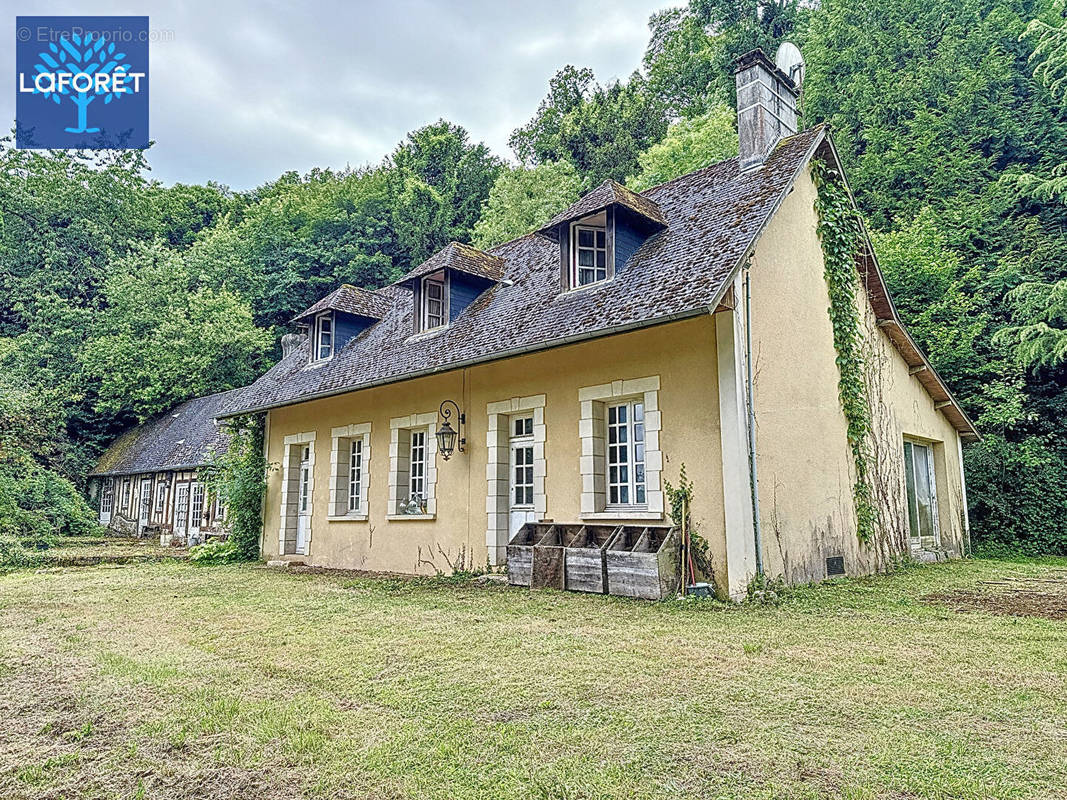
x=239 y=477
x=839 y=233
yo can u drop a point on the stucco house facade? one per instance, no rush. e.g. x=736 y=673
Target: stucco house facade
x=582 y=365
x=148 y=481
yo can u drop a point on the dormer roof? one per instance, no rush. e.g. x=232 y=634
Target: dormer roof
x=609 y=193
x=461 y=258
x=350 y=300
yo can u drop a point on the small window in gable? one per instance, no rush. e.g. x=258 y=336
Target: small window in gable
x=589 y=251
x=434 y=301
x=323 y=337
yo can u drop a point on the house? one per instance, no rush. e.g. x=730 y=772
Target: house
x=147 y=480
x=570 y=374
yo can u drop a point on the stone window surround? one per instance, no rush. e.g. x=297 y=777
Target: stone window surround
x=339 y=480
x=498 y=465
x=397 y=424
x=289 y=442
x=592 y=430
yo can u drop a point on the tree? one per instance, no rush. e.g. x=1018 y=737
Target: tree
x=523 y=199
x=439 y=181
x=689 y=145
x=684 y=64
x=163 y=339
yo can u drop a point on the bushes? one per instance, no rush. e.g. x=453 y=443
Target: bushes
x=1017 y=493
x=36 y=506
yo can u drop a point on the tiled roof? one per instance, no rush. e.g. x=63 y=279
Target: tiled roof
x=182 y=438
x=606 y=194
x=463 y=258
x=352 y=300
x=712 y=217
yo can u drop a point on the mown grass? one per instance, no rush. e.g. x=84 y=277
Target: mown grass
x=167 y=680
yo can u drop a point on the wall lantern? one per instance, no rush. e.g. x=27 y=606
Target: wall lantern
x=446 y=434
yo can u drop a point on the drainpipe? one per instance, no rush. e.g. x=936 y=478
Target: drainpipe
x=752 y=428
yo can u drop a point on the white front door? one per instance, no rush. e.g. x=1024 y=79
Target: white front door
x=304 y=502
x=146 y=504
x=521 y=483
x=196 y=511
x=181 y=509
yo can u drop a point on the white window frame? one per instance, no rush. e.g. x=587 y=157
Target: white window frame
x=400 y=453
x=934 y=537
x=127 y=497
x=592 y=429
x=521 y=440
x=107 y=496
x=344 y=438
x=196 y=503
x=575 y=269
x=425 y=323
x=629 y=433
x=316 y=354
x=160 y=506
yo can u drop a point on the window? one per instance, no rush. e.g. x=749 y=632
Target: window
x=355 y=475
x=589 y=263
x=434 y=301
x=412 y=466
x=921 y=492
x=417 y=470
x=522 y=462
x=197 y=514
x=621 y=464
x=106 y=497
x=125 y=506
x=161 y=499
x=323 y=336
x=626 y=454
x=348 y=471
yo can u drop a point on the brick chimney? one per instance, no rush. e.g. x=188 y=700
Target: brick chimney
x=766 y=107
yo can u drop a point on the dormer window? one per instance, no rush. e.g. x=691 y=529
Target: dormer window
x=589 y=248
x=323 y=336
x=434 y=301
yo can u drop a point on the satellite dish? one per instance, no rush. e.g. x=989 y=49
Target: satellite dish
x=789 y=60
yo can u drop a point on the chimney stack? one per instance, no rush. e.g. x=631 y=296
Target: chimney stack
x=291 y=341
x=766 y=107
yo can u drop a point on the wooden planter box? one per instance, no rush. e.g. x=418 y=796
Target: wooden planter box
x=586 y=566
x=644 y=561
x=549 y=564
x=520 y=552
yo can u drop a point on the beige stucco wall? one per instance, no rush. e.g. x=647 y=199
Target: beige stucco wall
x=805 y=467
x=681 y=354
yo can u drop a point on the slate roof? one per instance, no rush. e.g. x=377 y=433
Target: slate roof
x=606 y=194
x=463 y=258
x=182 y=438
x=712 y=216
x=712 y=219
x=352 y=300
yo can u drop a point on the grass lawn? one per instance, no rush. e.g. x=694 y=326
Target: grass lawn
x=169 y=680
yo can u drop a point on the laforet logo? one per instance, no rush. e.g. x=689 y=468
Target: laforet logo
x=81 y=82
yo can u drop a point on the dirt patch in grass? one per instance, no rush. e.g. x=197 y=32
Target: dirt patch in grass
x=1018 y=597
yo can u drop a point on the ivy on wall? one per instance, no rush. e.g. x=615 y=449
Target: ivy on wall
x=239 y=477
x=839 y=232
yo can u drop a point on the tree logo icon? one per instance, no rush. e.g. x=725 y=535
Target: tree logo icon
x=99 y=65
x=83 y=57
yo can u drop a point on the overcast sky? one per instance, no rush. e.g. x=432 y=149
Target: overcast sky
x=244 y=91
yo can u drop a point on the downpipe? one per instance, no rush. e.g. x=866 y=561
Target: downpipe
x=752 y=477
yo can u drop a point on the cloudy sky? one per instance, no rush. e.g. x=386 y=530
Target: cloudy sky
x=241 y=92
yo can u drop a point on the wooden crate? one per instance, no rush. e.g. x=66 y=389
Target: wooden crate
x=549 y=565
x=520 y=552
x=585 y=569
x=644 y=561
